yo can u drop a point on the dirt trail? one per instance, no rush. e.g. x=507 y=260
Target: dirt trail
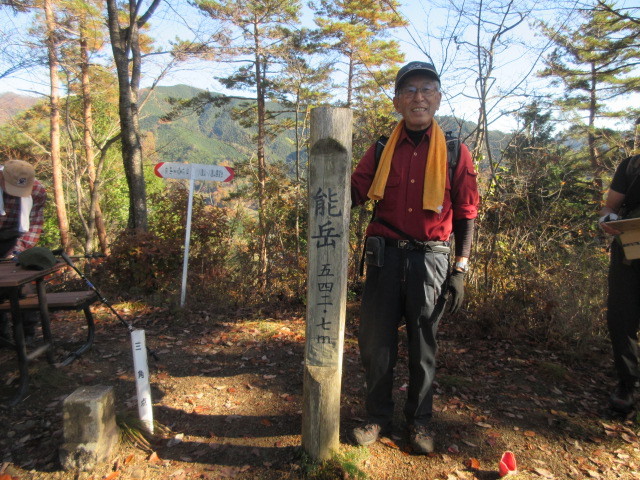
x=228 y=395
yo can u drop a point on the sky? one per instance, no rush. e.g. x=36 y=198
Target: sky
x=513 y=61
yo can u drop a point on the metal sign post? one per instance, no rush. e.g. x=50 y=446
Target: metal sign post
x=192 y=172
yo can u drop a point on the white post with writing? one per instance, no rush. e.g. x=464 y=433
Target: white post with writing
x=329 y=211
x=141 y=372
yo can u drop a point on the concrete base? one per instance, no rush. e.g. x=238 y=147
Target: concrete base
x=90 y=430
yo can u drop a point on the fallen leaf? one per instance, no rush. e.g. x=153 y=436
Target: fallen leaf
x=529 y=433
x=473 y=463
x=128 y=459
x=483 y=425
x=228 y=472
x=154 y=459
x=175 y=440
x=627 y=438
x=543 y=472
x=389 y=443
x=266 y=422
x=453 y=448
x=112 y=475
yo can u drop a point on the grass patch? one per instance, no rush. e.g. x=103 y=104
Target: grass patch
x=343 y=464
x=265 y=329
x=134 y=432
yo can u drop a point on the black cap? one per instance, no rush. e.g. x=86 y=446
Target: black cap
x=416 y=67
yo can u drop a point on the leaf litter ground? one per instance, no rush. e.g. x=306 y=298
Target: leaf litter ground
x=227 y=395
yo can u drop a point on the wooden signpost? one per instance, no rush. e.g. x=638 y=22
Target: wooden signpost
x=329 y=208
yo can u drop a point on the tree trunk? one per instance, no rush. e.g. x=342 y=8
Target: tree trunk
x=95 y=216
x=54 y=122
x=262 y=167
x=591 y=139
x=125 y=42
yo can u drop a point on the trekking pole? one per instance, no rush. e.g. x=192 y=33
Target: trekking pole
x=129 y=327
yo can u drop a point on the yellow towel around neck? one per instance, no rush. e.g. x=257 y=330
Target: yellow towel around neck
x=435 y=173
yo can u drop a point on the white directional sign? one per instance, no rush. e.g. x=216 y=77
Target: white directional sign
x=200 y=172
x=191 y=172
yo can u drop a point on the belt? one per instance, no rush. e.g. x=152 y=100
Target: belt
x=429 y=246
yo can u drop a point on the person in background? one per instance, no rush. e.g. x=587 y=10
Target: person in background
x=407 y=253
x=623 y=299
x=22 y=200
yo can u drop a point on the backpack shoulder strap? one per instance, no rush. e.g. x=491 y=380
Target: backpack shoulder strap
x=380 y=144
x=453 y=153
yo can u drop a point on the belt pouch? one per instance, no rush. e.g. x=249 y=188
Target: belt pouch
x=374 y=251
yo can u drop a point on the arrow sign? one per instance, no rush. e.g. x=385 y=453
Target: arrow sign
x=200 y=172
x=191 y=172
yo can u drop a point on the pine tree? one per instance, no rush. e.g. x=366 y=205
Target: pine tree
x=356 y=30
x=257 y=27
x=595 y=64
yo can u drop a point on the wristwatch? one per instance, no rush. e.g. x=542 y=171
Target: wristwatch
x=461 y=266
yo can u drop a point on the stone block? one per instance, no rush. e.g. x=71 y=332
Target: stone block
x=90 y=430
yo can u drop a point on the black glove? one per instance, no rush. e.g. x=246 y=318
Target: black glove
x=456 y=289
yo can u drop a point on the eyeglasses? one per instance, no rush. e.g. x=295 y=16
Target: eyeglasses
x=410 y=91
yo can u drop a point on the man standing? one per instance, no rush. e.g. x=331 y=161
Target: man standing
x=22 y=200
x=623 y=300
x=418 y=207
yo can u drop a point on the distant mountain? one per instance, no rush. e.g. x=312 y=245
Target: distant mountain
x=12 y=104
x=208 y=138
x=212 y=136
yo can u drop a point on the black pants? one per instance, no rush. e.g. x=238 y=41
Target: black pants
x=410 y=285
x=623 y=314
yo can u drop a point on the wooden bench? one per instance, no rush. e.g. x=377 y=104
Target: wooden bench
x=64 y=301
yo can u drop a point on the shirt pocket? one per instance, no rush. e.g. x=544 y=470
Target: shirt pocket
x=391 y=193
x=471 y=172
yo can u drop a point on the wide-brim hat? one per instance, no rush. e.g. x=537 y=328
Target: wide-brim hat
x=412 y=68
x=18 y=178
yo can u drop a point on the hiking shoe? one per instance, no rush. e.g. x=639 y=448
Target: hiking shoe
x=621 y=399
x=420 y=439
x=366 y=434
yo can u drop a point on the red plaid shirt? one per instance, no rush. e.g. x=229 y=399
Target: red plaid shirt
x=36 y=218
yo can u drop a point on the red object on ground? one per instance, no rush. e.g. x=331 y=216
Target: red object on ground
x=507 y=464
